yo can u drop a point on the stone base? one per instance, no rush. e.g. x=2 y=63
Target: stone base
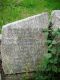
x=23 y=76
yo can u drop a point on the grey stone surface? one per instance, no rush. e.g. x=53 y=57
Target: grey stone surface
x=0 y=45
x=0 y=76
x=23 y=44
x=56 y=18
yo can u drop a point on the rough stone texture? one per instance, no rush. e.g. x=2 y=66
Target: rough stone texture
x=56 y=19
x=0 y=76
x=0 y=45
x=23 y=44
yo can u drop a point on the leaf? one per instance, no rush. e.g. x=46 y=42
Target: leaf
x=47 y=55
x=54 y=61
x=54 y=42
x=50 y=46
x=54 y=68
x=49 y=41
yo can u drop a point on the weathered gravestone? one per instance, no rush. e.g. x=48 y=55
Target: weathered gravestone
x=56 y=22
x=23 y=44
x=56 y=25
x=56 y=19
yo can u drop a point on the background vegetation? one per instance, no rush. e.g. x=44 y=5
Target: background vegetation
x=50 y=69
x=12 y=10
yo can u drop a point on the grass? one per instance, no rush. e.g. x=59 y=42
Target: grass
x=12 y=10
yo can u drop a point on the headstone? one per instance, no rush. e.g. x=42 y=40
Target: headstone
x=56 y=19
x=23 y=44
x=56 y=25
x=0 y=45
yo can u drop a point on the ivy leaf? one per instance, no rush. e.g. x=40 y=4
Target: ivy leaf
x=54 y=42
x=54 y=61
x=47 y=55
x=54 y=68
x=49 y=41
x=58 y=33
x=54 y=33
x=50 y=46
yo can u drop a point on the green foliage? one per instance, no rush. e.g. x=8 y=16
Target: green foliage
x=12 y=10
x=50 y=69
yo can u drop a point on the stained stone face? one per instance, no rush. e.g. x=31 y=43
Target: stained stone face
x=56 y=19
x=23 y=44
x=56 y=25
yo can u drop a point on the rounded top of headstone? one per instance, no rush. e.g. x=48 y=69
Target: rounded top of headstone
x=23 y=20
x=56 y=12
x=55 y=15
